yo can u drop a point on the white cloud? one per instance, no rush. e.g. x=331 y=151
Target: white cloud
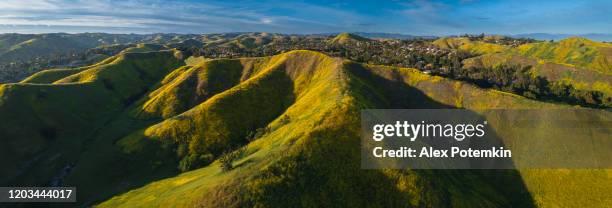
x=131 y=13
x=266 y=20
x=29 y=4
x=177 y=16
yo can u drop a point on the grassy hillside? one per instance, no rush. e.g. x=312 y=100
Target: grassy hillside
x=575 y=51
x=188 y=86
x=581 y=78
x=128 y=126
x=578 y=62
x=476 y=47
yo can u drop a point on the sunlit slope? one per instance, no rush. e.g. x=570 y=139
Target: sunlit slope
x=48 y=126
x=210 y=128
x=477 y=47
x=575 y=51
x=132 y=78
x=310 y=154
x=190 y=85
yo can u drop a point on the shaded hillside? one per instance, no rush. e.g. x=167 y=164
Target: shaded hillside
x=53 y=124
x=289 y=122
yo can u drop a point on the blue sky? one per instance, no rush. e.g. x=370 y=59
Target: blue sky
x=417 y=17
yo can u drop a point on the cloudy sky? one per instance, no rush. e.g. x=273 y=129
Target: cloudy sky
x=417 y=17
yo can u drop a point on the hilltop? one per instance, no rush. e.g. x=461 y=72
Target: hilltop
x=138 y=119
x=343 y=38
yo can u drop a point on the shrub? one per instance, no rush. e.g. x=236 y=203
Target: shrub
x=227 y=159
x=284 y=120
x=250 y=136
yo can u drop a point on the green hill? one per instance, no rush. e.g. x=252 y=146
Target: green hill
x=292 y=121
x=343 y=38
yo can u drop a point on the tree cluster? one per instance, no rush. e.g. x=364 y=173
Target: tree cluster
x=519 y=80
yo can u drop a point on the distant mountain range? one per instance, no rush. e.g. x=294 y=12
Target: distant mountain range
x=537 y=36
x=384 y=35
x=549 y=36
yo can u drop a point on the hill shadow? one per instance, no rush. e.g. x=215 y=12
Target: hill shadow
x=505 y=186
